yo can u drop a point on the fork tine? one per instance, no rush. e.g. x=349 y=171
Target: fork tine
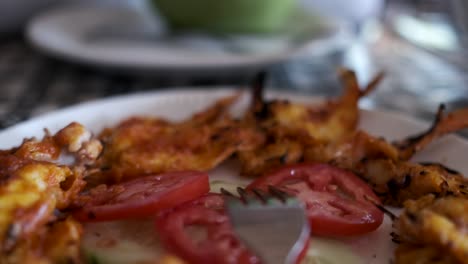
x=282 y=195
x=226 y=192
x=241 y=192
x=244 y=196
x=261 y=194
x=257 y=195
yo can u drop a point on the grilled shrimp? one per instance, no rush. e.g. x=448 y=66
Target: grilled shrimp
x=144 y=145
x=33 y=186
x=291 y=129
x=433 y=230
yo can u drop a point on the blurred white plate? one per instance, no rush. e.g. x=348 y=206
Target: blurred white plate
x=128 y=38
x=372 y=248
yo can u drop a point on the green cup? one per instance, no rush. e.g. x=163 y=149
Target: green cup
x=226 y=16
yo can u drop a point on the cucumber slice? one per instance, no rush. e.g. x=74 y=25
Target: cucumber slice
x=330 y=251
x=121 y=242
x=216 y=185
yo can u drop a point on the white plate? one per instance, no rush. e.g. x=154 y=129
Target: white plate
x=372 y=248
x=130 y=38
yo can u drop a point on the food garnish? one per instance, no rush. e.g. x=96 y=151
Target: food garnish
x=140 y=197
x=337 y=201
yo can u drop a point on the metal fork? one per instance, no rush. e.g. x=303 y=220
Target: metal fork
x=273 y=224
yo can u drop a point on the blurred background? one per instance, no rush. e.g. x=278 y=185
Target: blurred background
x=54 y=53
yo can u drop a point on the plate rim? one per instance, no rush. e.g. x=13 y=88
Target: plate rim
x=222 y=90
x=34 y=29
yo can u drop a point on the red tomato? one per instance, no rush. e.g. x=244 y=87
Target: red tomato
x=212 y=239
x=336 y=200
x=142 y=196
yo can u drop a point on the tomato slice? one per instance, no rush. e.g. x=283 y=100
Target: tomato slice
x=337 y=201
x=212 y=239
x=142 y=196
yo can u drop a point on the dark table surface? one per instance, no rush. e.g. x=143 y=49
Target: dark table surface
x=32 y=83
